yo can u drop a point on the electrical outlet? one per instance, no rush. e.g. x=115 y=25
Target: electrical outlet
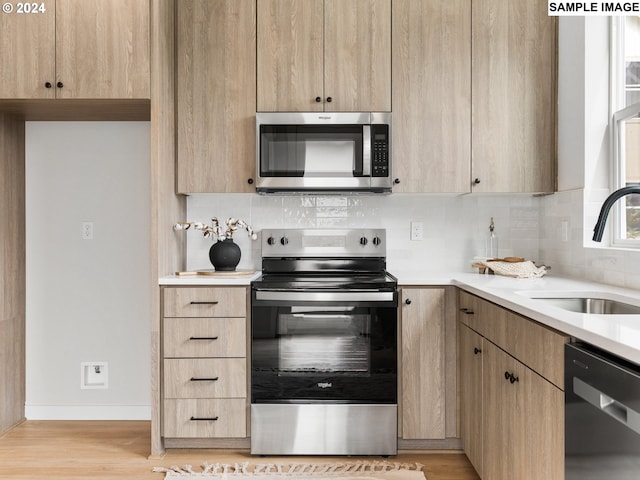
x=87 y=230
x=417 y=231
x=94 y=375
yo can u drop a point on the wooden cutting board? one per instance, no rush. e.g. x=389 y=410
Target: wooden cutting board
x=213 y=273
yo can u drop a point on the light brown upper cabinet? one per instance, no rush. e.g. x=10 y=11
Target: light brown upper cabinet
x=216 y=92
x=75 y=49
x=431 y=95
x=514 y=96
x=324 y=55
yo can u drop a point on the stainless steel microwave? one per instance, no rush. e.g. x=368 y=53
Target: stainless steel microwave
x=347 y=152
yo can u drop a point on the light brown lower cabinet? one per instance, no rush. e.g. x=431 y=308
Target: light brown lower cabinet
x=512 y=417
x=428 y=386
x=471 y=346
x=523 y=421
x=204 y=365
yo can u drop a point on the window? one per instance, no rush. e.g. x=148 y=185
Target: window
x=625 y=81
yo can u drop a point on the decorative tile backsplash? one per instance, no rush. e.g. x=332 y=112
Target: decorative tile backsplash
x=455 y=229
x=454 y=226
x=572 y=258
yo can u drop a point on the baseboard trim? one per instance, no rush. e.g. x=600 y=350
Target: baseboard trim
x=88 y=412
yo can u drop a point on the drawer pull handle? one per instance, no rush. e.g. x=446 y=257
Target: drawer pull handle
x=203 y=338
x=476 y=350
x=215 y=302
x=204 y=419
x=469 y=312
x=212 y=379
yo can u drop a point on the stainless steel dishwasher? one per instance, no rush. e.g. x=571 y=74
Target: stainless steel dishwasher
x=602 y=415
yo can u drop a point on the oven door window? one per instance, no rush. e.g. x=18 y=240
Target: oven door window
x=330 y=353
x=311 y=151
x=324 y=342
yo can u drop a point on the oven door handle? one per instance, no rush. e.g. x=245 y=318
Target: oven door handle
x=285 y=296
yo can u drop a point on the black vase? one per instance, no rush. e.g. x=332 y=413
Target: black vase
x=225 y=255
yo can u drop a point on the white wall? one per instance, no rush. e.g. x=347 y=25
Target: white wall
x=88 y=300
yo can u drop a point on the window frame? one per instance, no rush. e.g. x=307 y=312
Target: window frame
x=619 y=113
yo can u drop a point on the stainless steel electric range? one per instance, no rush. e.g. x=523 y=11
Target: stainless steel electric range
x=324 y=345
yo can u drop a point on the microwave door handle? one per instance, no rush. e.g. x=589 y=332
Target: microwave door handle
x=366 y=150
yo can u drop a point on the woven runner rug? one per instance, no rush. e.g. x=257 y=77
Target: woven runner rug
x=361 y=470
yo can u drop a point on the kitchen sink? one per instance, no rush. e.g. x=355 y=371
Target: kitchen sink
x=592 y=305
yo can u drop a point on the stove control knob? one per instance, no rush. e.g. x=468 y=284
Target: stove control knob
x=284 y=240
x=271 y=240
x=363 y=241
x=377 y=241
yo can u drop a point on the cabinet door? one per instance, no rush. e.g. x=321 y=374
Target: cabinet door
x=543 y=429
x=503 y=419
x=216 y=95
x=432 y=95
x=27 y=50
x=102 y=49
x=471 y=395
x=514 y=96
x=523 y=424
x=290 y=47
x=357 y=70
x=422 y=363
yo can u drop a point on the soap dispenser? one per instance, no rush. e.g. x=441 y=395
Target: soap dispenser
x=491 y=244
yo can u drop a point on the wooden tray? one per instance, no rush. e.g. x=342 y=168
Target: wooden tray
x=213 y=273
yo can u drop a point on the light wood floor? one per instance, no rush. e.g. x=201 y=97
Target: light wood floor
x=106 y=450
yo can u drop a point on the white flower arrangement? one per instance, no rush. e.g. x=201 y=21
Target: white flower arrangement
x=216 y=231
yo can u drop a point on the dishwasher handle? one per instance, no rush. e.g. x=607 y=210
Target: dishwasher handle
x=609 y=405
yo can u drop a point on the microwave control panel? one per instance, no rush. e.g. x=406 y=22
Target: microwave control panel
x=380 y=150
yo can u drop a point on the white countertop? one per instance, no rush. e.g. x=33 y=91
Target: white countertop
x=618 y=334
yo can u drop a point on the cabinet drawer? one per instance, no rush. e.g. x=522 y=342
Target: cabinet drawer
x=205 y=337
x=206 y=418
x=535 y=345
x=205 y=378
x=205 y=302
x=538 y=347
x=468 y=305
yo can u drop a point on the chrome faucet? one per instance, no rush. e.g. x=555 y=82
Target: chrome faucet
x=598 y=230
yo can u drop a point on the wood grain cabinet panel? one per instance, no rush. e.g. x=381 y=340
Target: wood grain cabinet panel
x=76 y=49
x=205 y=378
x=205 y=418
x=523 y=423
x=431 y=95
x=290 y=55
x=205 y=302
x=28 y=52
x=537 y=346
x=471 y=404
x=102 y=49
x=324 y=55
x=204 y=366
x=514 y=96
x=512 y=400
x=216 y=95
x=13 y=272
x=205 y=337
x=422 y=363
